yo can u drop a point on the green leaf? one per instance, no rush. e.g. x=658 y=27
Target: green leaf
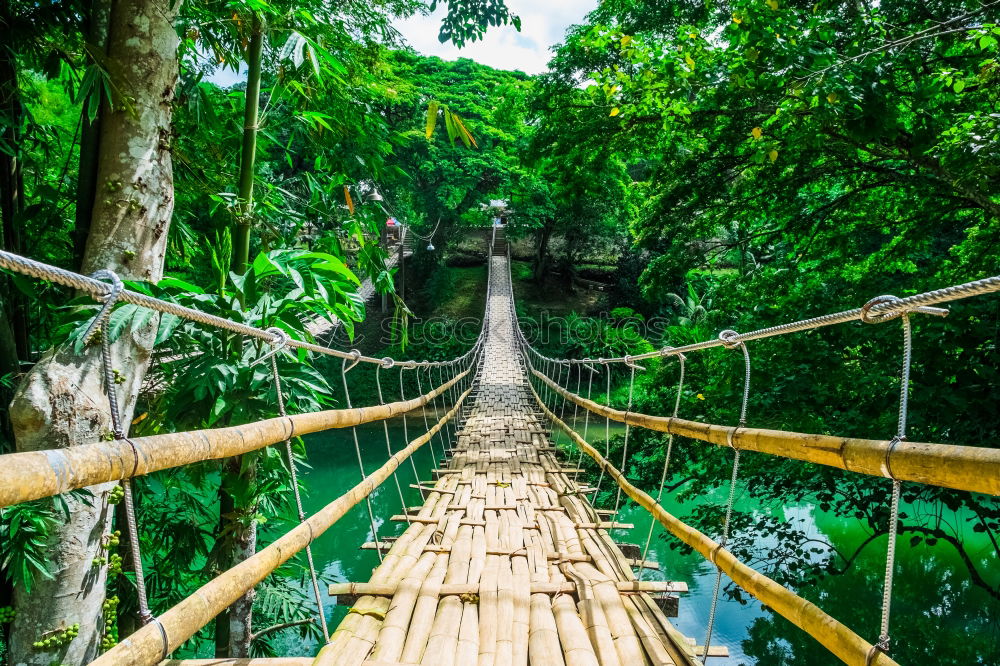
x=432 y=111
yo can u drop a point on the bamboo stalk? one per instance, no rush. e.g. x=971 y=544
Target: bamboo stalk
x=521 y=603
x=32 y=475
x=146 y=646
x=972 y=468
x=425 y=610
x=489 y=614
x=442 y=646
x=468 y=635
x=392 y=636
x=835 y=636
x=358 y=632
x=576 y=646
x=543 y=637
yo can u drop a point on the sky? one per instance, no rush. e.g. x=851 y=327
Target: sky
x=543 y=24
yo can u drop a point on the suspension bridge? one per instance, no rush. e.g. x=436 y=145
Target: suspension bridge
x=507 y=561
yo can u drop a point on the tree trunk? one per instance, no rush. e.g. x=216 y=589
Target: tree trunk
x=86 y=186
x=242 y=470
x=61 y=402
x=15 y=307
x=542 y=253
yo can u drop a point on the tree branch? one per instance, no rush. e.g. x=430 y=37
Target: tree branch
x=279 y=627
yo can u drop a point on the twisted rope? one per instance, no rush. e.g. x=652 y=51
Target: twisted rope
x=731 y=341
x=100 y=323
x=631 y=386
x=666 y=464
x=406 y=436
x=102 y=290
x=882 y=645
x=385 y=429
x=294 y=480
x=357 y=449
x=877 y=312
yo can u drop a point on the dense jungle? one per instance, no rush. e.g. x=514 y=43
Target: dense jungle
x=680 y=168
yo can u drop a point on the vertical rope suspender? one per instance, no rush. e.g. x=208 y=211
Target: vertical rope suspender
x=389 y=363
x=344 y=369
x=293 y=478
x=727 y=337
x=882 y=645
x=666 y=463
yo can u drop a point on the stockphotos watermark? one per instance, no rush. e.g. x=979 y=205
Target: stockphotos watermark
x=545 y=329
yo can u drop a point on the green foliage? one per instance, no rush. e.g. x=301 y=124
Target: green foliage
x=468 y=20
x=24 y=534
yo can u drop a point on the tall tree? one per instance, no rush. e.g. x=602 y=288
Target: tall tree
x=61 y=401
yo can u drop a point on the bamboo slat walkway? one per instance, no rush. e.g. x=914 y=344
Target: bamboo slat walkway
x=506 y=562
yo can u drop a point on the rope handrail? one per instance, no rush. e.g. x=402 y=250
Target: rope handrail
x=29 y=475
x=148 y=645
x=877 y=312
x=101 y=290
x=832 y=634
x=971 y=468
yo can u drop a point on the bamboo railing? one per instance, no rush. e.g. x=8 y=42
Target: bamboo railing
x=153 y=642
x=972 y=468
x=833 y=635
x=35 y=474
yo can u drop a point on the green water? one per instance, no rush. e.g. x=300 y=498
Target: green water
x=938 y=616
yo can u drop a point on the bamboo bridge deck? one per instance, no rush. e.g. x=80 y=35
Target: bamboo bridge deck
x=506 y=562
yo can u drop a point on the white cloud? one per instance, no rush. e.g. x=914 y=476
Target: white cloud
x=543 y=24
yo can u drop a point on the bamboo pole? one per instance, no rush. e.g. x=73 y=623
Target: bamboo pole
x=358 y=633
x=546 y=588
x=392 y=635
x=972 y=468
x=834 y=636
x=576 y=645
x=543 y=637
x=425 y=610
x=146 y=646
x=32 y=475
x=263 y=661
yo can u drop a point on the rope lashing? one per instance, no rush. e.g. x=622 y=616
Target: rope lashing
x=279 y=342
x=883 y=643
x=128 y=501
x=406 y=434
x=294 y=480
x=730 y=340
x=344 y=369
x=666 y=462
x=631 y=389
x=389 y=363
x=117 y=286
